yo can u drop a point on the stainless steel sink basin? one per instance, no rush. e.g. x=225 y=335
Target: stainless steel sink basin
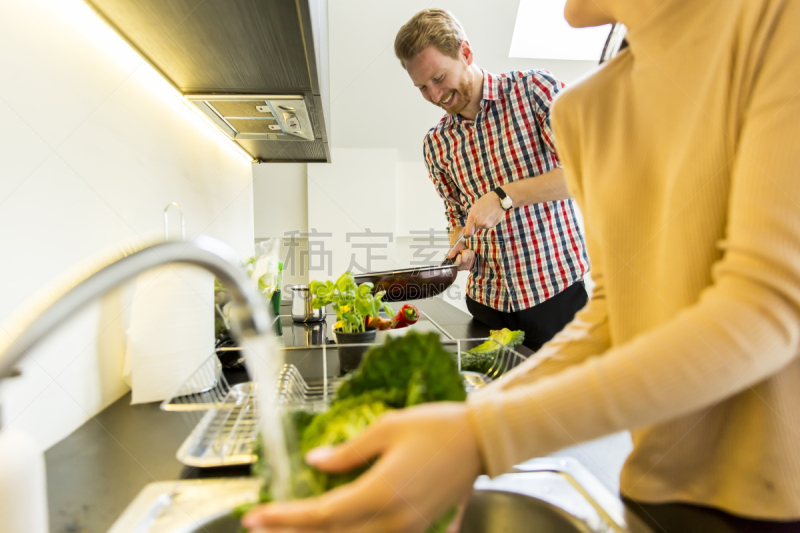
x=546 y=495
x=488 y=511
x=509 y=512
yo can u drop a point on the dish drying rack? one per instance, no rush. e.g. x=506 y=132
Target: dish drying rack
x=506 y=359
x=226 y=416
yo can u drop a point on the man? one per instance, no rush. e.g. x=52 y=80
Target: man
x=492 y=158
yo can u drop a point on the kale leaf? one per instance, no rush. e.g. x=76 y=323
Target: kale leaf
x=404 y=371
x=417 y=366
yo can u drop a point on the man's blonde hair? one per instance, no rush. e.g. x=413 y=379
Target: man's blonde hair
x=429 y=27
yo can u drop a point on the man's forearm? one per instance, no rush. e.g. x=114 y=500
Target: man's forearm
x=546 y=187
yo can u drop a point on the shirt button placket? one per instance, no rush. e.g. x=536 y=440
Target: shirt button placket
x=501 y=246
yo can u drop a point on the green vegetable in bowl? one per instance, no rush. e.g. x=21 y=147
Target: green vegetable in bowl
x=404 y=371
x=482 y=357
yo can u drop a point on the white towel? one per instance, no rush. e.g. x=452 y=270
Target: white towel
x=171 y=330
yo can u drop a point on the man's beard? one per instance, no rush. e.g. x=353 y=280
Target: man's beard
x=464 y=91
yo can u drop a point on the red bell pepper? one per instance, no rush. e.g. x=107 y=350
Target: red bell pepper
x=407 y=315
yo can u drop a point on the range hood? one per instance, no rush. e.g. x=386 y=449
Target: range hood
x=257 y=68
x=253 y=117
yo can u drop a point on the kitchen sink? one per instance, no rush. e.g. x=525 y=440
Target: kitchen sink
x=488 y=511
x=545 y=495
x=507 y=512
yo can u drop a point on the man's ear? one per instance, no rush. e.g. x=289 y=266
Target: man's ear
x=466 y=52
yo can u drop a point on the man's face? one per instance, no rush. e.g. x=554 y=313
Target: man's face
x=442 y=80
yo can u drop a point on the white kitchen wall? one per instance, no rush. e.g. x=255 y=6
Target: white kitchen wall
x=388 y=209
x=422 y=226
x=280 y=192
x=93 y=145
x=418 y=204
x=352 y=204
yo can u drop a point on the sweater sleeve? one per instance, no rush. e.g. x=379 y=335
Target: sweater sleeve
x=585 y=336
x=744 y=327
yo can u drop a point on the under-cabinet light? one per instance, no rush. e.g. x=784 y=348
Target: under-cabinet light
x=95 y=28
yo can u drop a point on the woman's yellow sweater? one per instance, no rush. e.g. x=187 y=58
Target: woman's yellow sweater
x=684 y=155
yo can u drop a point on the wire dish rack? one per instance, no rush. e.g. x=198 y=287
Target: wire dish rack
x=228 y=414
x=225 y=433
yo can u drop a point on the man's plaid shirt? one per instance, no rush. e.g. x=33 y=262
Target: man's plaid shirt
x=538 y=250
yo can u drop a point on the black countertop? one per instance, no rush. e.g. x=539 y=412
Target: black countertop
x=94 y=473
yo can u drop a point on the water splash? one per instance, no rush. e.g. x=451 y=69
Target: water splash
x=264 y=359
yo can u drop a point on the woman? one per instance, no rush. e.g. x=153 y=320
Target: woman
x=683 y=153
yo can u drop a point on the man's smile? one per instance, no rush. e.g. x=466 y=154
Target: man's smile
x=448 y=100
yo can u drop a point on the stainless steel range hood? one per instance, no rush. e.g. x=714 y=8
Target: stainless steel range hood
x=257 y=68
x=253 y=117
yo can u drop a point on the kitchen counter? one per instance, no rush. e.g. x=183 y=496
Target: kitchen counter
x=94 y=473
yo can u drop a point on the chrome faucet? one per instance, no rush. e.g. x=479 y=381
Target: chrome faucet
x=249 y=313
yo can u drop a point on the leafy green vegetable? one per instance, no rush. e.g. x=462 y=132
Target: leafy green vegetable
x=415 y=365
x=505 y=336
x=353 y=303
x=404 y=371
x=440 y=526
x=345 y=419
x=482 y=357
x=477 y=362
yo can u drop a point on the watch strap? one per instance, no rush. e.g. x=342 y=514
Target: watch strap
x=505 y=201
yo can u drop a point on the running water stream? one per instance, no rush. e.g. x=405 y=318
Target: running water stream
x=264 y=360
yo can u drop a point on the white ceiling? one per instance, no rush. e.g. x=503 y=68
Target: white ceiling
x=373 y=103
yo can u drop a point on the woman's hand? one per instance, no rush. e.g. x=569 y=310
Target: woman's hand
x=428 y=461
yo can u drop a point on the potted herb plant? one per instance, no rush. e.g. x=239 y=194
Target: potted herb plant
x=353 y=305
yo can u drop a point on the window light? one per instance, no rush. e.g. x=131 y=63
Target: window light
x=541 y=32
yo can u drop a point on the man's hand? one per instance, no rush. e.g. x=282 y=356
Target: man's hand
x=428 y=460
x=464 y=257
x=485 y=213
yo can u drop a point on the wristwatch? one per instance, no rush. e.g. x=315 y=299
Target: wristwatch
x=505 y=200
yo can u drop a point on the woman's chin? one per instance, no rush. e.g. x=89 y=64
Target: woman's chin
x=582 y=14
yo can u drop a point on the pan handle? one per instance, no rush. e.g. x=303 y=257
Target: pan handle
x=447 y=259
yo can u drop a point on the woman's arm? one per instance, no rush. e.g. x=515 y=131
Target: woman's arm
x=744 y=328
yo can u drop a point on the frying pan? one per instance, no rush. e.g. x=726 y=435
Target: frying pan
x=411 y=283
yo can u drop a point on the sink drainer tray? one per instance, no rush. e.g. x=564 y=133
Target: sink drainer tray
x=226 y=416
x=225 y=434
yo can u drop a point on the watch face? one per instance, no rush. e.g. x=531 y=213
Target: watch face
x=506 y=203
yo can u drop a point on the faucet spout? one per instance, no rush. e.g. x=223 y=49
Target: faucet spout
x=250 y=316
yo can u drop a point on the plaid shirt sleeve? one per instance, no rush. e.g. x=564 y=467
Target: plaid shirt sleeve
x=542 y=89
x=453 y=206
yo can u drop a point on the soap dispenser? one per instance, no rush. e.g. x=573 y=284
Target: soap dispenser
x=23 y=483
